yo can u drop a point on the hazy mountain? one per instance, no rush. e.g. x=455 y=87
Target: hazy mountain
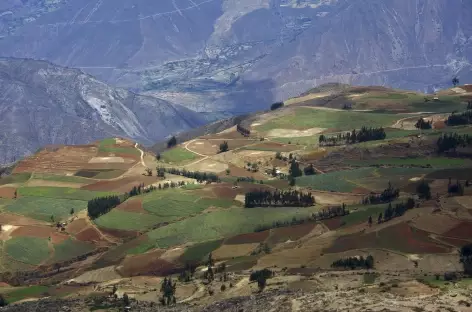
x=41 y=104
x=240 y=55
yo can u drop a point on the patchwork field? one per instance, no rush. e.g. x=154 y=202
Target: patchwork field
x=42 y=208
x=61 y=192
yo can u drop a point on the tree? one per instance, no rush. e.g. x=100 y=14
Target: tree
x=3 y=301
x=370 y=221
x=261 y=282
x=291 y=181
x=126 y=301
x=274 y=172
x=309 y=170
x=455 y=81
x=295 y=170
x=168 y=291
x=72 y=211
x=276 y=105
x=423 y=124
x=322 y=139
x=172 y=142
x=158 y=156
x=466 y=258
x=148 y=172
x=52 y=219
x=423 y=190
x=379 y=219
x=113 y=291
x=224 y=147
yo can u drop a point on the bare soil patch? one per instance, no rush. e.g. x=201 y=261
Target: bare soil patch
x=290 y=233
x=58 y=237
x=463 y=230
x=225 y=191
x=121 y=185
x=413 y=241
x=107 y=166
x=107 y=159
x=234 y=251
x=34 y=231
x=236 y=171
x=230 y=133
x=90 y=234
x=255 y=154
x=58 y=159
x=7 y=192
x=275 y=146
x=435 y=223
x=333 y=223
x=35 y=182
x=132 y=205
x=146 y=264
x=290 y=133
x=332 y=198
x=248 y=238
x=208 y=165
x=76 y=226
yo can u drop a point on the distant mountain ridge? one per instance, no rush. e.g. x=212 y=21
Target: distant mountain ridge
x=242 y=55
x=42 y=104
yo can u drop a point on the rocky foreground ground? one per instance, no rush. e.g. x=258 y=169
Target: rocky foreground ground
x=371 y=299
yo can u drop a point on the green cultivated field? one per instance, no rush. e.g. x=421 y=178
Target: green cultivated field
x=200 y=251
x=177 y=155
x=339 y=181
x=70 y=249
x=119 y=150
x=305 y=118
x=124 y=220
x=436 y=162
x=219 y=224
x=61 y=192
x=42 y=208
x=15 y=178
x=31 y=250
x=103 y=174
x=24 y=292
x=363 y=212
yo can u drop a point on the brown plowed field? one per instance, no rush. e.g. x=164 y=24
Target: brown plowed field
x=293 y=233
x=13 y=219
x=115 y=255
x=145 y=264
x=248 y=238
x=90 y=234
x=436 y=223
x=107 y=166
x=241 y=172
x=7 y=192
x=463 y=230
x=40 y=231
x=119 y=233
x=456 y=242
x=275 y=146
x=233 y=251
x=400 y=237
x=333 y=223
x=65 y=159
x=225 y=135
x=133 y=205
x=467 y=88
x=120 y=185
x=77 y=226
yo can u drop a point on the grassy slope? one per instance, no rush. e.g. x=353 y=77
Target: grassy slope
x=219 y=224
x=305 y=118
x=42 y=208
x=61 y=192
x=31 y=250
x=177 y=155
x=70 y=249
x=60 y=178
x=15 y=178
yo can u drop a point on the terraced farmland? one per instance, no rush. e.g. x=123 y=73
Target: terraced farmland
x=305 y=118
x=42 y=208
x=30 y=250
x=61 y=192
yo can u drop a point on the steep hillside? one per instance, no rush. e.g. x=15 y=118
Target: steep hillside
x=239 y=56
x=45 y=104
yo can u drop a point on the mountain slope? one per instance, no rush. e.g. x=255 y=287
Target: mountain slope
x=44 y=104
x=240 y=55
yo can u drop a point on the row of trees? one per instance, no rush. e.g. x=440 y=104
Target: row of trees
x=101 y=205
x=386 y=196
x=330 y=212
x=452 y=141
x=354 y=263
x=243 y=131
x=464 y=118
x=267 y=198
x=197 y=175
x=423 y=124
x=363 y=135
x=392 y=212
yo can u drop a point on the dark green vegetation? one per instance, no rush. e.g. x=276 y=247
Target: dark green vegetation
x=177 y=155
x=15 y=178
x=354 y=263
x=363 y=135
x=198 y=252
x=101 y=174
x=278 y=198
x=60 y=192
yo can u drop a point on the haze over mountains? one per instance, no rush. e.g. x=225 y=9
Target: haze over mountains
x=42 y=104
x=239 y=56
